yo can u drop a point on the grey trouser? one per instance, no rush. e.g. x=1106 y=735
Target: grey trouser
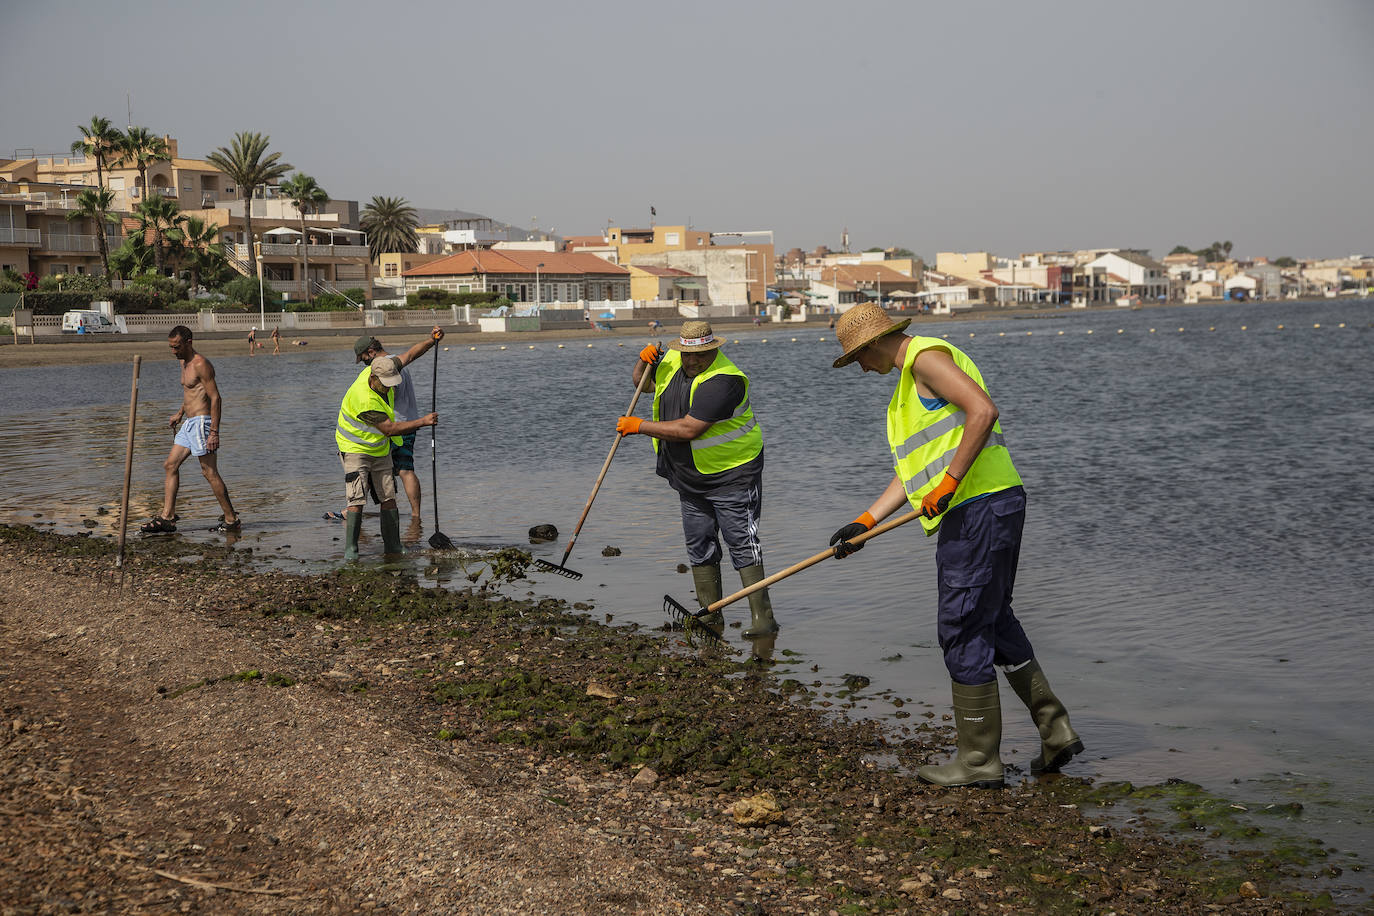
x=734 y=513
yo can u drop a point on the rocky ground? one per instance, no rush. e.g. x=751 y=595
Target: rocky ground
x=223 y=740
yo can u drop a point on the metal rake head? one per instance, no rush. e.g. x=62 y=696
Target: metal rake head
x=546 y=566
x=692 y=622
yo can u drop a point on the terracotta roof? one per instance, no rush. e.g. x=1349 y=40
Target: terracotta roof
x=491 y=261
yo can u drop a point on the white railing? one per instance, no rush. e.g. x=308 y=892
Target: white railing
x=21 y=237
x=71 y=243
x=293 y=250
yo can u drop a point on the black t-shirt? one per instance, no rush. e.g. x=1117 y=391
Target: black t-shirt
x=716 y=400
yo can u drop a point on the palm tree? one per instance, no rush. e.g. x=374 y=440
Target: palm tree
x=247 y=163
x=305 y=192
x=159 y=215
x=95 y=203
x=200 y=237
x=390 y=226
x=141 y=147
x=98 y=140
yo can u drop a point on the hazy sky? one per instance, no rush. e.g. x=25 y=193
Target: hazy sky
x=1008 y=126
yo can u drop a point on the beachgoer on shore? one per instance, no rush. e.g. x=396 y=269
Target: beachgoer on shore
x=365 y=433
x=710 y=450
x=953 y=466
x=199 y=435
x=276 y=341
x=366 y=349
x=253 y=341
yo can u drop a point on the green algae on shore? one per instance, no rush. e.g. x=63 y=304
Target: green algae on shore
x=473 y=670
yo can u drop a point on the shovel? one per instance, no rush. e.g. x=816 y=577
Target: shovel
x=438 y=540
x=690 y=620
x=562 y=568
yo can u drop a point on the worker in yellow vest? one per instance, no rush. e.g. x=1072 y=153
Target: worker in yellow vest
x=953 y=466
x=710 y=450
x=365 y=433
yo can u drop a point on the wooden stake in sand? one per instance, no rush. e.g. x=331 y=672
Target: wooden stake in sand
x=128 y=473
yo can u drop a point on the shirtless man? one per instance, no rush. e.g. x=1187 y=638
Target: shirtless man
x=199 y=436
x=253 y=342
x=276 y=341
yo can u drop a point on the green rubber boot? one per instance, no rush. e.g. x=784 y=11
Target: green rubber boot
x=761 y=622
x=707 y=579
x=391 y=532
x=978 y=762
x=1058 y=741
x=353 y=526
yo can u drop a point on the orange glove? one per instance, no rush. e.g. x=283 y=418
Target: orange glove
x=937 y=500
x=840 y=539
x=628 y=426
x=650 y=353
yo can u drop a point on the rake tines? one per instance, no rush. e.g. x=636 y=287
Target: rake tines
x=560 y=569
x=690 y=621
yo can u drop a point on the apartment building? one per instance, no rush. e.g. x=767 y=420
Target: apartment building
x=738 y=266
x=35 y=234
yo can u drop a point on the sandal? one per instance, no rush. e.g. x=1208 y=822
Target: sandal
x=158 y=525
x=334 y=516
x=233 y=527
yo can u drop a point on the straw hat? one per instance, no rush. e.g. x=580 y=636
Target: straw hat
x=860 y=326
x=695 y=337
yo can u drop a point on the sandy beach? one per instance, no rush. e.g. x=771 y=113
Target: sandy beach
x=73 y=350
x=222 y=740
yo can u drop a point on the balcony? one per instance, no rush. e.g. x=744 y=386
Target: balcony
x=278 y=250
x=82 y=243
x=21 y=237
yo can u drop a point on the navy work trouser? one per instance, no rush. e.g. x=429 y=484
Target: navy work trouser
x=734 y=513
x=979 y=545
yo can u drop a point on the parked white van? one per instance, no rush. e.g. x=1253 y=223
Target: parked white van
x=87 y=321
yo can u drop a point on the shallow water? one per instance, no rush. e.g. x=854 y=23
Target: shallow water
x=1196 y=569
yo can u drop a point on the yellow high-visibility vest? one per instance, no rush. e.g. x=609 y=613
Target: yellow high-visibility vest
x=736 y=440
x=353 y=434
x=924 y=441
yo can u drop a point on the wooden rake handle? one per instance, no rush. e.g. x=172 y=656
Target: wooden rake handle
x=807 y=563
x=606 y=466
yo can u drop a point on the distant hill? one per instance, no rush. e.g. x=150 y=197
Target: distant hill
x=429 y=216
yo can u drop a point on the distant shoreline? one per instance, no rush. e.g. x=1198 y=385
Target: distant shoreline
x=77 y=350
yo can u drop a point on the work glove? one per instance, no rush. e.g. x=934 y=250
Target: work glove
x=651 y=353
x=437 y=333
x=628 y=426
x=840 y=539
x=937 y=500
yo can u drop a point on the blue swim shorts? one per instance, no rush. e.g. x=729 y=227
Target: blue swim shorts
x=193 y=433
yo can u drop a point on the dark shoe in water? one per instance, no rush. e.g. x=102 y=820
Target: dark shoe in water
x=233 y=527
x=159 y=525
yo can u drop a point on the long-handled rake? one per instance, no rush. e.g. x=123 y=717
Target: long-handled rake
x=562 y=568
x=438 y=540
x=694 y=620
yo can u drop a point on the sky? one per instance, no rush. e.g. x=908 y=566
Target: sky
x=1001 y=126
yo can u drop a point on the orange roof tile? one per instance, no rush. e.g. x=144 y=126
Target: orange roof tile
x=492 y=261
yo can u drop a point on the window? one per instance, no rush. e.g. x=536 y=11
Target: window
x=390 y=270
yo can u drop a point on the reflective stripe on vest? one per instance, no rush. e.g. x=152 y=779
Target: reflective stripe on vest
x=351 y=433
x=729 y=443
x=924 y=441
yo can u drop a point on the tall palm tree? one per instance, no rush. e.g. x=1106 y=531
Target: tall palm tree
x=200 y=239
x=247 y=162
x=142 y=147
x=306 y=193
x=390 y=226
x=98 y=140
x=95 y=203
x=159 y=215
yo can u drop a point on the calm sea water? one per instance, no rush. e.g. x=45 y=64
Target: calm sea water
x=1196 y=574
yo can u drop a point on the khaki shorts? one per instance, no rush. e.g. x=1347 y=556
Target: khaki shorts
x=358 y=469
